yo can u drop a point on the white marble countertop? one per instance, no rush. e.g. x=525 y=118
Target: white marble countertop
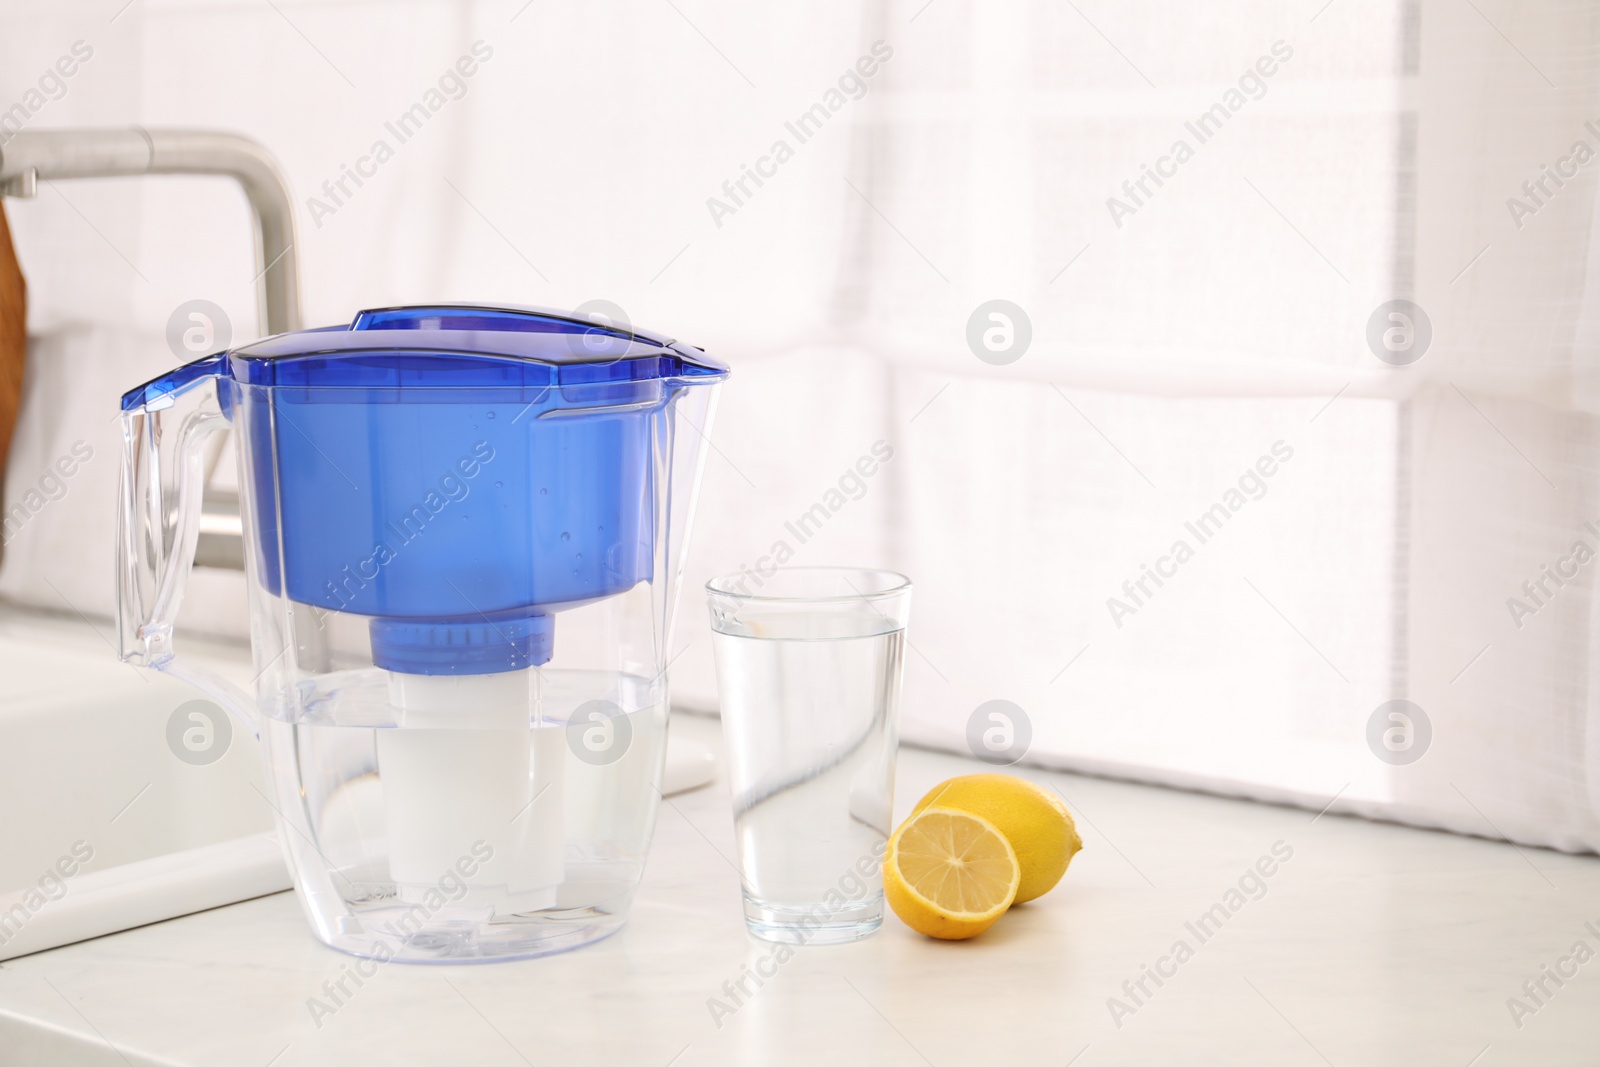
x=1371 y=945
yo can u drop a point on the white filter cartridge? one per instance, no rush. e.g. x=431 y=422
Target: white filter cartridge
x=472 y=784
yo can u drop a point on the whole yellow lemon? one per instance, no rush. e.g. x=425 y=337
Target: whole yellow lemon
x=1033 y=819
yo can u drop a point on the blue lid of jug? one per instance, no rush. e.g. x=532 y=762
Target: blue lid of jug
x=449 y=346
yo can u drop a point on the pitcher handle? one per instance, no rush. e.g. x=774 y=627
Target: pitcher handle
x=165 y=427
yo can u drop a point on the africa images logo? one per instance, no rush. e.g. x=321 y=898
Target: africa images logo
x=1252 y=85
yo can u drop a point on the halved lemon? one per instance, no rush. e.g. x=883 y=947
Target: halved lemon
x=949 y=874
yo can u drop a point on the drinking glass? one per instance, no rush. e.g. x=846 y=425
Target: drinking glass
x=809 y=662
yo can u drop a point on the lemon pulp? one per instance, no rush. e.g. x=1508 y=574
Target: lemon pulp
x=950 y=874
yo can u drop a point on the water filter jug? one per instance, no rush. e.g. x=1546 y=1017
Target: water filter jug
x=463 y=530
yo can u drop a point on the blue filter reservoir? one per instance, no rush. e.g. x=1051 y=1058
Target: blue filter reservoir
x=456 y=474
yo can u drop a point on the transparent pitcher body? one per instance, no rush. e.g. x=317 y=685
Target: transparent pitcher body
x=461 y=592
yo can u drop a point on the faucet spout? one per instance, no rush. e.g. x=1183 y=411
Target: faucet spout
x=30 y=156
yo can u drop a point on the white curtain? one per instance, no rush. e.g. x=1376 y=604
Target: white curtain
x=1187 y=334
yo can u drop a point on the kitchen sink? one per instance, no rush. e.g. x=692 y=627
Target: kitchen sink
x=104 y=825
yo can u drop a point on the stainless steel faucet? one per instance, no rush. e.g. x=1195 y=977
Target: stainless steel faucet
x=31 y=156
